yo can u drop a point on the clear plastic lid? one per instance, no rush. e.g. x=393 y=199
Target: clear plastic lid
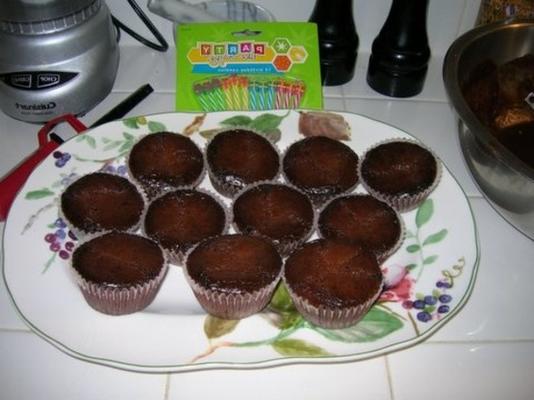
x=179 y=11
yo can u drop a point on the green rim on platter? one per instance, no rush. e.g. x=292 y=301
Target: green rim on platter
x=420 y=302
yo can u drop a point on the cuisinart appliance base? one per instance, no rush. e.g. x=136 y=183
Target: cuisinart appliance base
x=56 y=57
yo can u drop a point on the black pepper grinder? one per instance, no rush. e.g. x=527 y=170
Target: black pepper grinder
x=400 y=53
x=338 y=40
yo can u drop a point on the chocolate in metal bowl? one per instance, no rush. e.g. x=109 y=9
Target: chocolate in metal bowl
x=505 y=180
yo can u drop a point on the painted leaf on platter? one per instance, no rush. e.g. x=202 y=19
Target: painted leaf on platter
x=208 y=134
x=281 y=300
x=274 y=135
x=216 y=327
x=288 y=320
x=430 y=259
x=298 y=348
x=376 y=324
x=39 y=194
x=424 y=213
x=131 y=123
x=154 y=126
x=126 y=146
x=90 y=141
x=128 y=136
x=112 y=145
x=409 y=267
x=238 y=120
x=87 y=139
x=436 y=237
x=413 y=248
x=141 y=120
x=266 y=122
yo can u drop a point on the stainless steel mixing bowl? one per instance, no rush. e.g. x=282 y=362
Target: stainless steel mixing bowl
x=506 y=182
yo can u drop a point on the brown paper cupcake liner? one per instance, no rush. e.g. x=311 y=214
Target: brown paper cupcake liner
x=113 y=300
x=331 y=318
x=232 y=305
x=230 y=188
x=387 y=253
x=81 y=234
x=381 y=258
x=160 y=188
x=287 y=246
x=403 y=202
x=176 y=256
x=318 y=199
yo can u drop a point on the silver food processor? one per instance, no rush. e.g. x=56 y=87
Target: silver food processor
x=56 y=57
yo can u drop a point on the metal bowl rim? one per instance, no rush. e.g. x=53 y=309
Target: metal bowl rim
x=452 y=86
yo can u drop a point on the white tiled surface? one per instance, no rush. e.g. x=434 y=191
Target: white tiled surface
x=29 y=370
x=485 y=352
x=489 y=371
x=340 y=381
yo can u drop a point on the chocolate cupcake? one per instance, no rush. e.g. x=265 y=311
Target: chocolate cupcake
x=119 y=273
x=400 y=172
x=233 y=276
x=332 y=284
x=321 y=167
x=100 y=201
x=363 y=219
x=165 y=161
x=239 y=157
x=182 y=218
x=277 y=212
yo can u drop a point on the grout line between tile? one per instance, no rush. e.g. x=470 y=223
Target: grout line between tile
x=461 y=19
x=389 y=378
x=167 y=386
x=15 y=330
x=478 y=341
x=374 y=98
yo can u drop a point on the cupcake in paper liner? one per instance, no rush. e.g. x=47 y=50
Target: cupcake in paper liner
x=165 y=161
x=401 y=172
x=332 y=284
x=119 y=273
x=237 y=157
x=321 y=167
x=362 y=218
x=233 y=276
x=276 y=211
x=180 y=219
x=102 y=201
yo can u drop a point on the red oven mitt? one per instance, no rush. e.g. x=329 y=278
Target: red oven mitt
x=15 y=179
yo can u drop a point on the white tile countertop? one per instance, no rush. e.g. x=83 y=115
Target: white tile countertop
x=485 y=352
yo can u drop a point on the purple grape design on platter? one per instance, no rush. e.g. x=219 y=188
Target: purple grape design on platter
x=60 y=240
x=433 y=306
x=61 y=158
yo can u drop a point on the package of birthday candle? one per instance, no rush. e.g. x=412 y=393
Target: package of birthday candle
x=247 y=66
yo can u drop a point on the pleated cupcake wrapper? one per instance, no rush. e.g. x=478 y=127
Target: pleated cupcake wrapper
x=178 y=254
x=403 y=202
x=82 y=234
x=331 y=318
x=389 y=252
x=164 y=187
x=232 y=305
x=230 y=189
x=287 y=246
x=119 y=300
x=317 y=199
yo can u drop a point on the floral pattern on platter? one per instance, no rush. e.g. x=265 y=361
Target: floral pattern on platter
x=404 y=306
x=114 y=163
x=379 y=322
